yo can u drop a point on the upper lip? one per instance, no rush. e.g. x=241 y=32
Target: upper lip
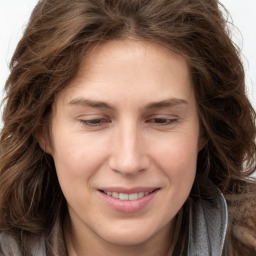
x=128 y=190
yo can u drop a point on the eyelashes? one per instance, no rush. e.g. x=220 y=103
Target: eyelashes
x=162 y=121
x=94 y=122
x=98 y=123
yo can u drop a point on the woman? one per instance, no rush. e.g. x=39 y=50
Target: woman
x=127 y=131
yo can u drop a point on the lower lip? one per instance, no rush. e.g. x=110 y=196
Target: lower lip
x=128 y=206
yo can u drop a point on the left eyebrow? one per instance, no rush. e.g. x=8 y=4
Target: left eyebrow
x=167 y=103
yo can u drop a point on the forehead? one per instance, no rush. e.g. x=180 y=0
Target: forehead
x=130 y=68
x=147 y=55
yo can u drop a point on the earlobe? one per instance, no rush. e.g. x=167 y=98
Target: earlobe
x=43 y=140
x=202 y=142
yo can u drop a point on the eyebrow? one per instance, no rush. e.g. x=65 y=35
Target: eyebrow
x=100 y=104
x=167 y=103
x=90 y=103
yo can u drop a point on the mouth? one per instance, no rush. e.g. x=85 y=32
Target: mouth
x=128 y=200
x=129 y=196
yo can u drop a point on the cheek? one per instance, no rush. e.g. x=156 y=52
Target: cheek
x=78 y=158
x=76 y=161
x=178 y=158
x=72 y=163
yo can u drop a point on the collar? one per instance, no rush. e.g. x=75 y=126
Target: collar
x=207 y=225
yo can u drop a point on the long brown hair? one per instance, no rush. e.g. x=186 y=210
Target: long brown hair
x=59 y=35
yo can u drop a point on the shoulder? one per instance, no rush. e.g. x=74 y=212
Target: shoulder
x=242 y=215
x=10 y=247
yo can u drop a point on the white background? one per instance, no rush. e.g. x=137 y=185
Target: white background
x=14 y=15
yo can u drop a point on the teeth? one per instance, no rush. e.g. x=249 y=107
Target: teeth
x=133 y=196
x=115 y=194
x=141 y=194
x=123 y=196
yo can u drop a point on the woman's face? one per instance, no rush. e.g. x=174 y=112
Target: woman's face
x=125 y=138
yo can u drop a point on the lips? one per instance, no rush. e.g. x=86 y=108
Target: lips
x=128 y=200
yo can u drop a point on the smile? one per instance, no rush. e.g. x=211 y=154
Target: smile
x=128 y=200
x=124 y=196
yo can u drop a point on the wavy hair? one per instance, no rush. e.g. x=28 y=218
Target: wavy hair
x=59 y=35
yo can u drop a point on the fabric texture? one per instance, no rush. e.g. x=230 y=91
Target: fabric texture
x=9 y=247
x=242 y=215
x=208 y=222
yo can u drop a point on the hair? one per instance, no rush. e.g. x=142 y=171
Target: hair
x=59 y=35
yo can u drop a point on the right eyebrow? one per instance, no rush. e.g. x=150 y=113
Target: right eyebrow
x=90 y=103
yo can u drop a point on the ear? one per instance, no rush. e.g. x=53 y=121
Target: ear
x=42 y=136
x=202 y=141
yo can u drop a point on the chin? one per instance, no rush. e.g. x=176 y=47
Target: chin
x=132 y=235
x=127 y=239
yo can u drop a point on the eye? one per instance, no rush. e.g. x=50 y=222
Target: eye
x=162 y=121
x=94 y=122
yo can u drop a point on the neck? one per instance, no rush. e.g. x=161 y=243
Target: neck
x=79 y=244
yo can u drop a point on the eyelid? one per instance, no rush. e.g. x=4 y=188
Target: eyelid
x=93 y=121
x=163 y=116
x=164 y=120
x=168 y=120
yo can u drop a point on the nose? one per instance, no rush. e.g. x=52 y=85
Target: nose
x=128 y=151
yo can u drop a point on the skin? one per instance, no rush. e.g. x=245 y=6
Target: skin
x=145 y=132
